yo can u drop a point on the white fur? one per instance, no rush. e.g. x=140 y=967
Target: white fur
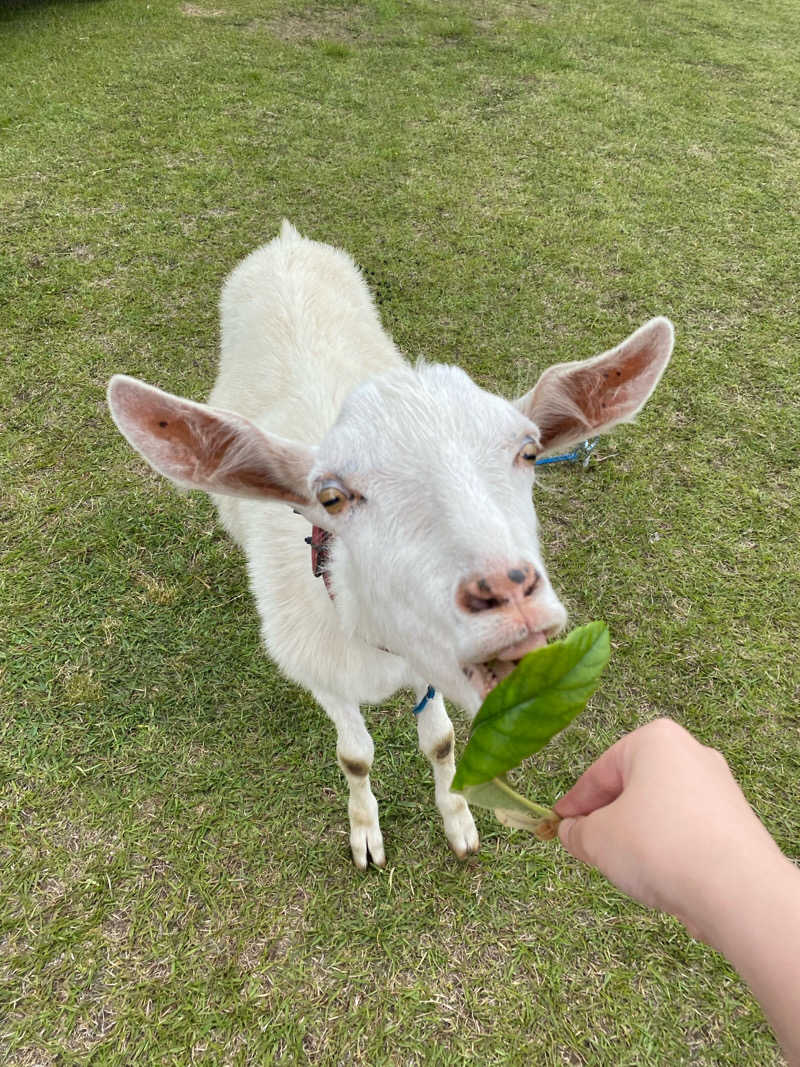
x=440 y=496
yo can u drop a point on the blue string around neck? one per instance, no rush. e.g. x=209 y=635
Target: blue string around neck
x=582 y=454
x=431 y=693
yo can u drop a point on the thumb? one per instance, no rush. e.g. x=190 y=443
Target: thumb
x=572 y=834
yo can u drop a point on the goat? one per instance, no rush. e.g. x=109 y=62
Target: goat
x=422 y=479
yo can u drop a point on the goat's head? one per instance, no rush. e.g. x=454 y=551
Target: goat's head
x=425 y=481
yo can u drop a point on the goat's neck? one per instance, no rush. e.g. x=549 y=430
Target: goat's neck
x=356 y=622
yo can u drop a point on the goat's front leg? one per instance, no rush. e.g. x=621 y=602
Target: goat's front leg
x=354 y=753
x=436 y=739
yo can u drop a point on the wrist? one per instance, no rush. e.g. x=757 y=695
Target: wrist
x=764 y=947
x=747 y=904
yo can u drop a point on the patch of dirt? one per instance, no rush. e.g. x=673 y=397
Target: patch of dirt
x=193 y=11
x=521 y=9
x=334 y=24
x=27 y=1057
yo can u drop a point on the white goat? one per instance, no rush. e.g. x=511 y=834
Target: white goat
x=422 y=478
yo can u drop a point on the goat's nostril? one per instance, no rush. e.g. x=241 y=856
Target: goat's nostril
x=475 y=603
x=530 y=588
x=490 y=592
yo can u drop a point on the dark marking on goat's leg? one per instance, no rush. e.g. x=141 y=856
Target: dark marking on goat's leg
x=357 y=768
x=444 y=748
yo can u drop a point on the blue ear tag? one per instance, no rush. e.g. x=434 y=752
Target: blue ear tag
x=428 y=696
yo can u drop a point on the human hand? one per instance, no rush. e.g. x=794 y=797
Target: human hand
x=662 y=817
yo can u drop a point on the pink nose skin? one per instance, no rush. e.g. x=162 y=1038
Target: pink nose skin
x=506 y=589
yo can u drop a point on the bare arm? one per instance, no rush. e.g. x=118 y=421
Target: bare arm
x=663 y=818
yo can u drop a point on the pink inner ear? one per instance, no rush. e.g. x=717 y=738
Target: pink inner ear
x=156 y=425
x=203 y=448
x=617 y=385
x=574 y=400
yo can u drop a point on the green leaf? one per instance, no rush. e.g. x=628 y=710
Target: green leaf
x=541 y=696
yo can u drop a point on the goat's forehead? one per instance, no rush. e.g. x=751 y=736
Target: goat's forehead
x=417 y=410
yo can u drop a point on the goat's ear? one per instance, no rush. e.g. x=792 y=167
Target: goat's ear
x=573 y=401
x=200 y=447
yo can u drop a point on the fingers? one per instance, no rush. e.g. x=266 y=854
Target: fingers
x=569 y=834
x=657 y=742
x=663 y=819
x=591 y=838
x=597 y=786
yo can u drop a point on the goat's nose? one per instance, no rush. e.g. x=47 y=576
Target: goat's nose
x=490 y=592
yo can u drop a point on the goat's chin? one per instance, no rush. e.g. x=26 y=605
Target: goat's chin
x=488 y=673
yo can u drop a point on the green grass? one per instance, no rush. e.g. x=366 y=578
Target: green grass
x=522 y=183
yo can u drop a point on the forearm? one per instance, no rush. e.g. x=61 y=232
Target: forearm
x=758 y=930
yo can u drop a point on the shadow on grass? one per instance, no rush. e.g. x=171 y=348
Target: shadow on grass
x=10 y=8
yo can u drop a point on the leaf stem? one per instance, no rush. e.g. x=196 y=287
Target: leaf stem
x=512 y=809
x=538 y=810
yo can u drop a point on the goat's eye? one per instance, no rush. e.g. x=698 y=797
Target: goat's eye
x=528 y=451
x=332 y=498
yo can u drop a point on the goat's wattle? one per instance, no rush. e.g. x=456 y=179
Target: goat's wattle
x=320 y=546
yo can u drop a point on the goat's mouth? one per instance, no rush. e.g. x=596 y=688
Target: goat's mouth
x=486 y=675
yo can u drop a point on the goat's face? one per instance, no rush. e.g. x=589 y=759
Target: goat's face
x=425 y=481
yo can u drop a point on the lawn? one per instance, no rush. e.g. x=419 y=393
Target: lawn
x=522 y=183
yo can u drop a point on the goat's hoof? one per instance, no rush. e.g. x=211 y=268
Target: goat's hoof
x=366 y=844
x=466 y=847
x=462 y=835
x=459 y=826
